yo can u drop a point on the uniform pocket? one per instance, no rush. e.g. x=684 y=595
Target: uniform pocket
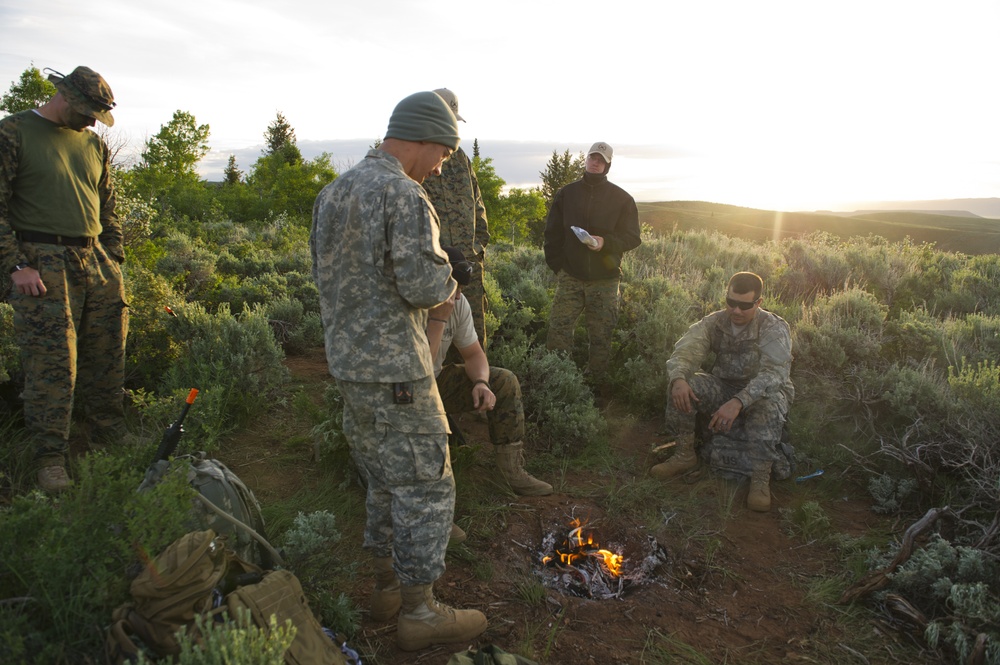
x=413 y=445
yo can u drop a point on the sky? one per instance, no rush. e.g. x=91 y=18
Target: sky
x=775 y=104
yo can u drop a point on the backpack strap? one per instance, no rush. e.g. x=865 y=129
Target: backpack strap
x=232 y=520
x=119 y=647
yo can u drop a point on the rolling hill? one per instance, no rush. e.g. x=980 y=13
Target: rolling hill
x=959 y=231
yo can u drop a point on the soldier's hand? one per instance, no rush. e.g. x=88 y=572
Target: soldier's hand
x=682 y=396
x=599 y=246
x=444 y=310
x=483 y=398
x=722 y=420
x=28 y=282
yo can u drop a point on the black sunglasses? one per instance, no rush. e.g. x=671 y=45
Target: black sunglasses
x=738 y=303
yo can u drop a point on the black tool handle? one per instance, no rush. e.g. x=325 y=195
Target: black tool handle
x=172 y=437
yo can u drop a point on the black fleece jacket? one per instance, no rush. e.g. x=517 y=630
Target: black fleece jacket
x=603 y=209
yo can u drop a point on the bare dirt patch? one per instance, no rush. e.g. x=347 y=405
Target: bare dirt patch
x=734 y=587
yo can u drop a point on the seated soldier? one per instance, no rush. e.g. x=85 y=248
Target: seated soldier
x=746 y=395
x=475 y=386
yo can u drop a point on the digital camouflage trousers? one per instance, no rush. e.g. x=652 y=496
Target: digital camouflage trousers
x=72 y=342
x=403 y=451
x=754 y=438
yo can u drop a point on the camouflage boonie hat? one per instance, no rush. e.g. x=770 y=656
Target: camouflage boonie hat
x=87 y=92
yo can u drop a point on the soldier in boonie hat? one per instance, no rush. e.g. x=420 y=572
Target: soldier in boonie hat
x=87 y=92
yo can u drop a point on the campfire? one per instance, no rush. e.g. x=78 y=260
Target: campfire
x=575 y=562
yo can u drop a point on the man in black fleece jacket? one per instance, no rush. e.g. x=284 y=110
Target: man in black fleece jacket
x=588 y=270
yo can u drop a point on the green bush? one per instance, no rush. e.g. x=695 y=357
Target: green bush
x=558 y=406
x=235 y=640
x=10 y=356
x=959 y=588
x=68 y=560
x=841 y=329
x=235 y=362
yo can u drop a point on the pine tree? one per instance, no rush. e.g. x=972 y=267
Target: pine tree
x=559 y=172
x=280 y=139
x=233 y=176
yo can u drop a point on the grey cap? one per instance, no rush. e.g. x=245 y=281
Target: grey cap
x=424 y=116
x=602 y=149
x=451 y=100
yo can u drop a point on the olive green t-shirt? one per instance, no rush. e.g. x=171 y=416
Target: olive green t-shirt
x=53 y=180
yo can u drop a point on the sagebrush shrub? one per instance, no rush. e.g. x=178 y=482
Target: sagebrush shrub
x=959 y=588
x=236 y=363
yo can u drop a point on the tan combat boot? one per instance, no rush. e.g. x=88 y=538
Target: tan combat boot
x=386 y=599
x=759 y=498
x=457 y=535
x=684 y=459
x=510 y=461
x=53 y=479
x=424 y=621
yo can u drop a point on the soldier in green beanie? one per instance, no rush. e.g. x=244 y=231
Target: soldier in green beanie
x=378 y=263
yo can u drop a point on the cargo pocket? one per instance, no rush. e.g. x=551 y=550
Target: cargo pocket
x=413 y=445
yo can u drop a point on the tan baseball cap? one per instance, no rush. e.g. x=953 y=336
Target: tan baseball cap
x=602 y=149
x=87 y=92
x=449 y=97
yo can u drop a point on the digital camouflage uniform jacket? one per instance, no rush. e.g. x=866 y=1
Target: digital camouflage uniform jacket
x=758 y=361
x=459 y=205
x=378 y=263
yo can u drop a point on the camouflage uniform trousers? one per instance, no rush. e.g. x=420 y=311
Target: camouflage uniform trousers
x=758 y=426
x=403 y=449
x=72 y=343
x=598 y=301
x=506 y=420
x=476 y=295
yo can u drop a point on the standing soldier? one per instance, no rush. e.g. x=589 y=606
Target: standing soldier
x=378 y=263
x=588 y=265
x=61 y=241
x=459 y=205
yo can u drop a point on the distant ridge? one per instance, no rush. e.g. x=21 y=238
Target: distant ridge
x=988 y=208
x=948 y=230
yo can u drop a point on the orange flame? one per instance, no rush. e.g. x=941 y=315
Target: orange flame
x=579 y=545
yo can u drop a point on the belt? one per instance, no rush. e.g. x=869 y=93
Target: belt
x=49 y=239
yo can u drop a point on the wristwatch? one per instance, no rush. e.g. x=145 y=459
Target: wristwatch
x=19 y=266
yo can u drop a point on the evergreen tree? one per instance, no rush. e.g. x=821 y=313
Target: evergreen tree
x=233 y=176
x=29 y=92
x=280 y=139
x=559 y=172
x=475 y=148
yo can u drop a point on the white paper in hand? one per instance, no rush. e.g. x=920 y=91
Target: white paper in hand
x=584 y=237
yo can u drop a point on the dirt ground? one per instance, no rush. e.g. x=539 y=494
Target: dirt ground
x=737 y=593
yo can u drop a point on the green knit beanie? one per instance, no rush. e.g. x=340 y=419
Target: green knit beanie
x=424 y=116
